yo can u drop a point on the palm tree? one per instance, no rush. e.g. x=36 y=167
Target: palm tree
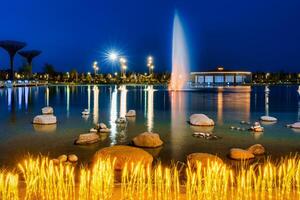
x=29 y=55
x=12 y=47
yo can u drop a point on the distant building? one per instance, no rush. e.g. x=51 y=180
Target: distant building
x=220 y=76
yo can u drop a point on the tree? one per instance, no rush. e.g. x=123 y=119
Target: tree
x=74 y=75
x=12 y=47
x=49 y=69
x=29 y=55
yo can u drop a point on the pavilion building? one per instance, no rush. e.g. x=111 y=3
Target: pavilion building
x=220 y=76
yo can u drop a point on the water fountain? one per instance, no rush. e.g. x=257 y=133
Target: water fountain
x=180 y=65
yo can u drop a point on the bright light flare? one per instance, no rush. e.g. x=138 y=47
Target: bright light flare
x=113 y=56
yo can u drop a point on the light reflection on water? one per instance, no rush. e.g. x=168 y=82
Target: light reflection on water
x=158 y=110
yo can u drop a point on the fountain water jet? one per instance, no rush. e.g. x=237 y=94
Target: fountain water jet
x=180 y=65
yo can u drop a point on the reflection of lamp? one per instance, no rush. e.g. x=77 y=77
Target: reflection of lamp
x=68 y=100
x=113 y=115
x=26 y=96
x=150 y=113
x=123 y=101
x=96 y=104
x=20 y=91
x=89 y=97
x=267 y=103
x=299 y=109
x=47 y=96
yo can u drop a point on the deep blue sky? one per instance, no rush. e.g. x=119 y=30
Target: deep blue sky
x=245 y=34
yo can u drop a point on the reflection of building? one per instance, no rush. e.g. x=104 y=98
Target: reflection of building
x=220 y=76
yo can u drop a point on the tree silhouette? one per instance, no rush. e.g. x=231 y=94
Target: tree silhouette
x=29 y=55
x=12 y=47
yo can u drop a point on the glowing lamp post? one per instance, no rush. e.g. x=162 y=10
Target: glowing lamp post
x=95 y=67
x=123 y=66
x=150 y=64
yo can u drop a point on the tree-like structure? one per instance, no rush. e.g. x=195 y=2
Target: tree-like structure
x=29 y=55
x=12 y=47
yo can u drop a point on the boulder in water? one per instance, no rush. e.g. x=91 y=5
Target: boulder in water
x=88 y=138
x=147 y=139
x=124 y=154
x=47 y=110
x=62 y=158
x=44 y=119
x=296 y=125
x=201 y=120
x=72 y=158
x=131 y=113
x=240 y=154
x=257 y=149
x=204 y=158
x=268 y=119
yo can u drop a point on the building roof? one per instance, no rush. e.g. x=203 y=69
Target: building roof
x=221 y=70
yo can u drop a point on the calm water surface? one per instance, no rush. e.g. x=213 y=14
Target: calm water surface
x=158 y=110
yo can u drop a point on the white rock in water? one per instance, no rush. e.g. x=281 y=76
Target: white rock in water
x=105 y=130
x=296 y=125
x=102 y=126
x=201 y=120
x=131 y=113
x=44 y=119
x=268 y=119
x=88 y=138
x=93 y=130
x=121 y=120
x=85 y=112
x=47 y=110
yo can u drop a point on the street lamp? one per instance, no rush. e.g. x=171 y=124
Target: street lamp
x=123 y=66
x=150 y=64
x=95 y=67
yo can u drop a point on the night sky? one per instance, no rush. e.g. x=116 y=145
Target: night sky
x=246 y=34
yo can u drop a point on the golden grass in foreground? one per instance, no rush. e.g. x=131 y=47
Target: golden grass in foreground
x=45 y=180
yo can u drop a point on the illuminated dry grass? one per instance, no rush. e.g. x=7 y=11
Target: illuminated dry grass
x=8 y=186
x=45 y=180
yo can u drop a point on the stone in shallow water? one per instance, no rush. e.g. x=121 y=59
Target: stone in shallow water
x=147 y=139
x=62 y=158
x=204 y=158
x=201 y=120
x=131 y=113
x=105 y=130
x=88 y=138
x=296 y=125
x=240 y=154
x=47 y=110
x=124 y=154
x=72 y=158
x=44 y=119
x=257 y=149
x=268 y=119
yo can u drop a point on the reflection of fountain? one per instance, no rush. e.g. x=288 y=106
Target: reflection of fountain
x=123 y=100
x=113 y=115
x=96 y=104
x=150 y=110
x=178 y=116
x=180 y=65
x=298 y=90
